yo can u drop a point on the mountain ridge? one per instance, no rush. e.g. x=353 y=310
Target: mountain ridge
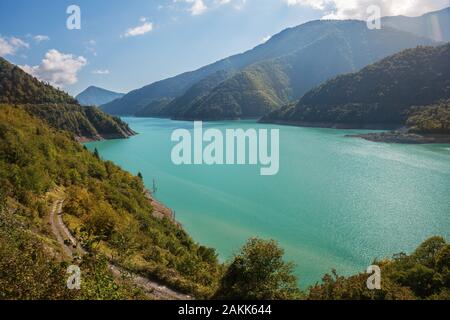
x=434 y=25
x=380 y=95
x=96 y=96
x=173 y=97
x=265 y=86
x=56 y=107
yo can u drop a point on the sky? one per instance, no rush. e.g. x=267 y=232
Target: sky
x=124 y=45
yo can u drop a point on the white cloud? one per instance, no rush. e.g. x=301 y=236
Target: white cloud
x=11 y=46
x=357 y=9
x=40 y=38
x=5 y=47
x=57 y=68
x=198 y=7
x=101 y=72
x=144 y=28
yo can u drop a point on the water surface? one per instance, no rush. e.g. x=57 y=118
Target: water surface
x=337 y=202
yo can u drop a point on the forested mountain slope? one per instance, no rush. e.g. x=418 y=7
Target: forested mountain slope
x=337 y=47
x=105 y=205
x=56 y=107
x=381 y=94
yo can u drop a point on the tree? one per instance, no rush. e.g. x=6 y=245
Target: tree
x=140 y=176
x=96 y=154
x=258 y=272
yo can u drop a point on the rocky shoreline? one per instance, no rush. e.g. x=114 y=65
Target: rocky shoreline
x=331 y=125
x=404 y=137
x=160 y=211
x=400 y=136
x=102 y=137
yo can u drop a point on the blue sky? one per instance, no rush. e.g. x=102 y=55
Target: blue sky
x=124 y=45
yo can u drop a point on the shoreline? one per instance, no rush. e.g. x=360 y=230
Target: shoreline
x=399 y=135
x=106 y=137
x=333 y=125
x=404 y=138
x=160 y=210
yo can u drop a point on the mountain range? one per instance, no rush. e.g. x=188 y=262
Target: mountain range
x=380 y=95
x=280 y=71
x=95 y=96
x=434 y=25
x=56 y=107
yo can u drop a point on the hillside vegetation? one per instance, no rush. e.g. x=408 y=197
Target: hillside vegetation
x=103 y=202
x=109 y=213
x=433 y=119
x=381 y=94
x=56 y=107
x=424 y=274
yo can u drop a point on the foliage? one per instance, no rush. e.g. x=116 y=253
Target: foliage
x=57 y=108
x=17 y=87
x=425 y=274
x=430 y=119
x=108 y=202
x=29 y=270
x=154 y=108
x=114 y=220
x=258 y=272
x=382 y=93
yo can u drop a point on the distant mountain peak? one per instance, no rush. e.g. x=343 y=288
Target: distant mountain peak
x=96 y=96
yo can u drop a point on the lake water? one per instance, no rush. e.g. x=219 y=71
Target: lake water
x=336 y=202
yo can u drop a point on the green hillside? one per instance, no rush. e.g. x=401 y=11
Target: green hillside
x=192 y=96
x=338 y=47
x=250 y=93
x=154 y=108
x=434 y=119
x=380 y=94
x=56 y=107
x=102 y=202
x=424 y=274
x=109 y=213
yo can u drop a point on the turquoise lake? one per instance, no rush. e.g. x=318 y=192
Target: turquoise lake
x=336 y=202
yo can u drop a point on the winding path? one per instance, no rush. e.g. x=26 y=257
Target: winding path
x=72 y=248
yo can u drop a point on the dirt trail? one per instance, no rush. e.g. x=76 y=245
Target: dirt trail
x=72 y=248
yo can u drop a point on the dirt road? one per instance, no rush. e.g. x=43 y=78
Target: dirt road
x=72 y=248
